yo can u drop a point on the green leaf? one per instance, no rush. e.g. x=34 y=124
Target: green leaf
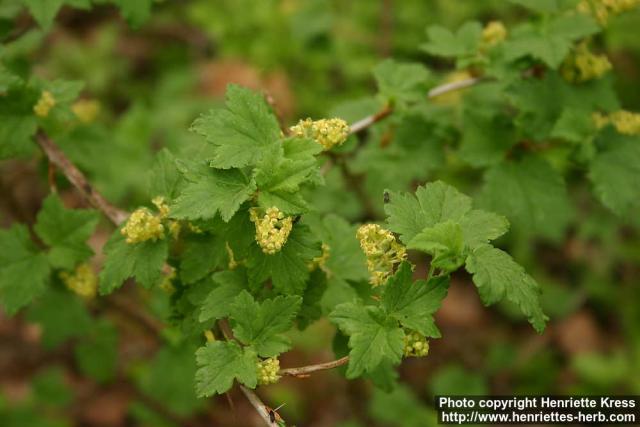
x=165 y=179
x=436 y=202
x=542 y=102
x=550 y=42
x=282 y=171
x=546 y=6
x=24 y=272
x=401 y=407
x=218 y=302
x=311 y=308
x=401 y=82
x=142 y=261
x=136 y=12
x=444 y=242
x=210 y=191
x=44 y=11
x=346 y=260
x=66 y=232
x=64 y=91
x=373 y=337
x=615 y=173
x=17 y=121
x=574 y=125
x=203 y=253
x=414 y=303
x=61 y=315
x=97 y=354
x=242 y=131
x=261 y=324
x=531 y=193
x=479 y=227
x=219 y=363
x=288 y=268
x=497 y=276
x=443 y=42
x=486 y=137
x=50 y=389
x=175 y=391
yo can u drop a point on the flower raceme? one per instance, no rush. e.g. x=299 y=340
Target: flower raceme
x=142 y=225
x=268 y=371
x=625 y=122
x=493 y=33
x=86 y=110
x=415 y=344
x=583 y=65
x=382 y=251
x=272 y=229
x=326 y=132
x=83 y=281
x=44 y=104
x=602 y=10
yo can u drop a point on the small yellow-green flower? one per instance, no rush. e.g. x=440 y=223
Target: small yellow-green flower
x=602 y=10
x=272 y=230
x=268 y=371
x=83 y=281
x=326 y=132
x=625 y=122
x=415 y=344
x=582 y=65
x=167 y=281
x=320 y=261
x=44 y=104
x=382 y=251
x=493 y=33
x=86 y=110
x=141 y=226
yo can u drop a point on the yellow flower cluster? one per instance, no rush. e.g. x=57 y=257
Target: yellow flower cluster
x=83 y=281
x=86 y=110
x=141 y=226
x=625 y=122
x=326 y=132
x=493 y=33
x=268 y=371
x=320 y=261
x=163 y=212
x=382 y=250
x=167 y=281
x=602 y=10
x=272 y=230
x=44 y=104
x=583 y=65
x=208 y=335
x=415 y=344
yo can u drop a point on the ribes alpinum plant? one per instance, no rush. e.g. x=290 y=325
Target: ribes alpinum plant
x=265 y=227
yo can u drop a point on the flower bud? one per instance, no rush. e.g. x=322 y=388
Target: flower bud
x=326 y=132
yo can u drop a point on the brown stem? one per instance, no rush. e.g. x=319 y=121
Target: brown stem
x=303 y=371
x=255 y=401
x=78 y=180
x=364 y=123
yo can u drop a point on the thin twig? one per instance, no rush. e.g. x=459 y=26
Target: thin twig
x=303 y=371
x=364 y=123
x=258 y=405
x=453 y=86
x=78 y=180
